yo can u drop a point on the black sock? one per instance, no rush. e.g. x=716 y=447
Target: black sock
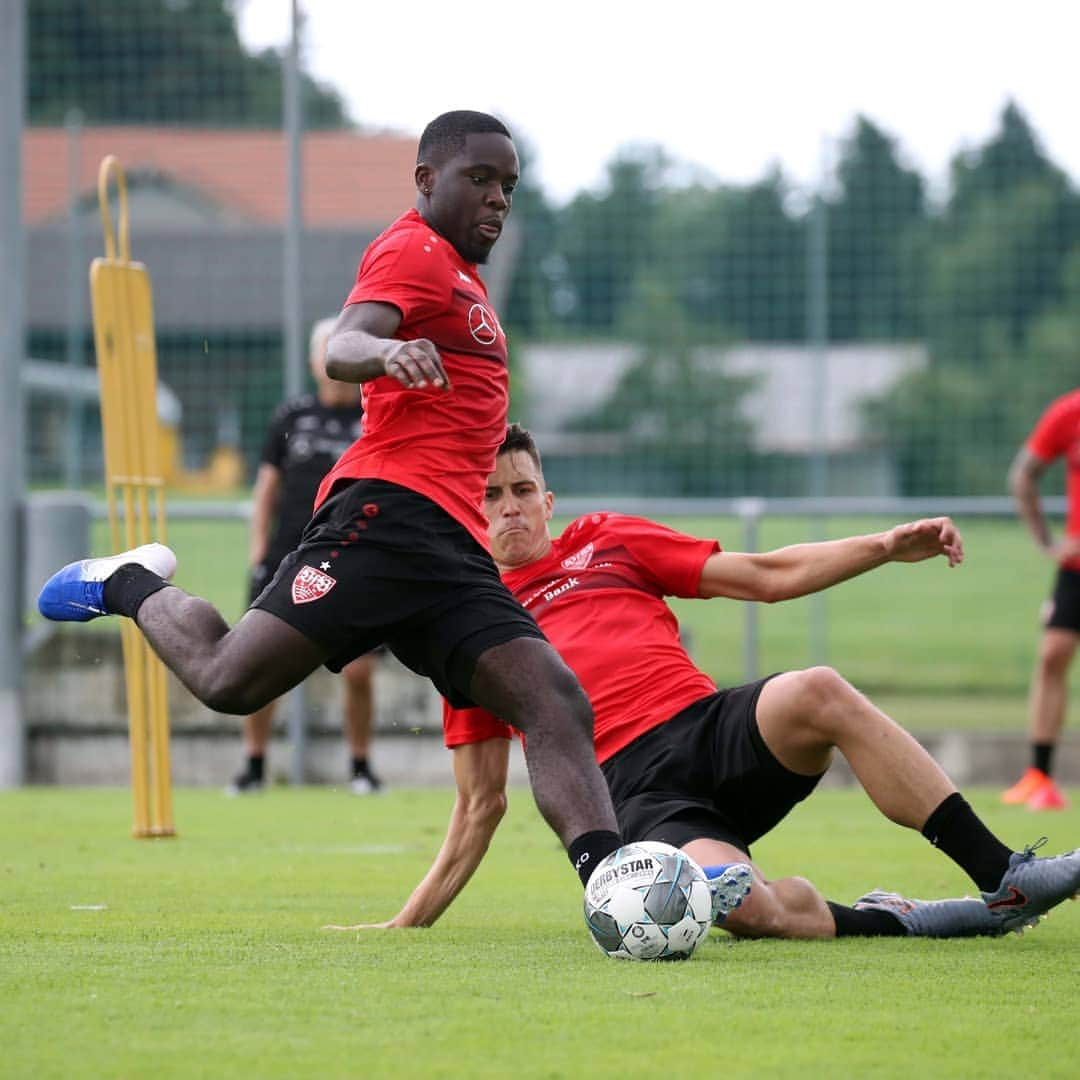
x=255 y=766
x=360 y=766
x=1042 y=756
x=128 y=586
x=589 y=848
x=955 y=828
x=868 y=922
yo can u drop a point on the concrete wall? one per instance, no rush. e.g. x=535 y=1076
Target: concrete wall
x=75 y=713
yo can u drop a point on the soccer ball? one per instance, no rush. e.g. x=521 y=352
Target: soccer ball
x=648 y=901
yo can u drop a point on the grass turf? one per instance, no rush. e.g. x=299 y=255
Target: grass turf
x=203 y=956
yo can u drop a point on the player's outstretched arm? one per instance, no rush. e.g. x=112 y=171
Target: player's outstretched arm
x=362 y=347
x=480 y=770
x=801 y=569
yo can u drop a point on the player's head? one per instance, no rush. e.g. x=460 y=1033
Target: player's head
x=466 y=172
x=329 y=391
x=516 y=503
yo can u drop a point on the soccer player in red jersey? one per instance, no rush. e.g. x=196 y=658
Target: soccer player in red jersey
x=1056 y=435
x=712 y=770
x=397 y=551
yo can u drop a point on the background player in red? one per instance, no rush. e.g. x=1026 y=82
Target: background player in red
x=305 y=438
x=397 y=549
x=1056 y=435
x=711 y=771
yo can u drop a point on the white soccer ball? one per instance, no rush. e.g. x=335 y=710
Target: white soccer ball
x=648 y=901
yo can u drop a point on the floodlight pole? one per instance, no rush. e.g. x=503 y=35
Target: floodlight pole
x=12 y=345
x=292 y=307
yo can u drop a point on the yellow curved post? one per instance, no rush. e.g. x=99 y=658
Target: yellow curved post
x=122 y=306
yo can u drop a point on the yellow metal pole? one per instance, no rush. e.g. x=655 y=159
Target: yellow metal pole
x=127 y=369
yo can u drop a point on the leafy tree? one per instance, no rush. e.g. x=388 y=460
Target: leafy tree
x=529 y=307
x=679 y=412
x=991 y=276
x=1011 y=158
x=735 y=259
x=157 y=61
x=605 y=239
x=880 y=201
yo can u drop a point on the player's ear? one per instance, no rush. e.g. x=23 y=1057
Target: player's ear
x=549 y=504
x=425 y=178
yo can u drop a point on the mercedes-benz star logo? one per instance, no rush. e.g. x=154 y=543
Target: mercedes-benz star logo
x=482 y=325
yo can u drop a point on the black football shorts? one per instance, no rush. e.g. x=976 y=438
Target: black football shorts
x=1062 y=610
x=382 y=564
x=704 y=774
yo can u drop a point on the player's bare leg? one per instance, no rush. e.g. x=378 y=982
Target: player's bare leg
x=786 y=908
x=257 y=728
x=804 y=715
x=236 y=670
x=359 y=714
x=1049 y=687
x=527 y=684
x=359 y=704
x=1047 y=705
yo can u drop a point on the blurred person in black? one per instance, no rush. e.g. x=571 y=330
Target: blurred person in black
x=305 y=437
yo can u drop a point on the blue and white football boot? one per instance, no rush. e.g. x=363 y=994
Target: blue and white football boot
x=76 y=593
x=729 y=885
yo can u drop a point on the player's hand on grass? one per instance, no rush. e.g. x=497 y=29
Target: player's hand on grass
x=388 y=925
x=416 y=364
x=919 y=540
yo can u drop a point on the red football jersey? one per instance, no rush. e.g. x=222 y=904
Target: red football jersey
x=1057 y=434
x=440 y=443
x=598 y=596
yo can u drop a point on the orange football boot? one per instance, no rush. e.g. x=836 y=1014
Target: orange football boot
x=1048 y=796
x=1025 y=787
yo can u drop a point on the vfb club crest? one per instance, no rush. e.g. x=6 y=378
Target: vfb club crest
x=311 y=584
x=580 y=559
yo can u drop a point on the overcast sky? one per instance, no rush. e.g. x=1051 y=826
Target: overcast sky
x=731 y=87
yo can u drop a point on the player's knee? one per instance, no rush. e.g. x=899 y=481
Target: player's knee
x=558 y=703
x=771 y=909
x=1055 y=656
x=229 y=695
x=821 y=688
x=760 y=915
x=487 y=808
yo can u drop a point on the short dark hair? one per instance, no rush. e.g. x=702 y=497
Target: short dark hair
x=519 y=438
x=445 y=135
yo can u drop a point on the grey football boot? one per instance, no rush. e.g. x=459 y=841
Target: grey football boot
x=1032 y=886
x=962 y=917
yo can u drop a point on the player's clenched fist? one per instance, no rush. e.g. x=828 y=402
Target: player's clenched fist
x=416 y=364
x=924 y=539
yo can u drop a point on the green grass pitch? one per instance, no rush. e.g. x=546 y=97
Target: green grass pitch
x=203 y=955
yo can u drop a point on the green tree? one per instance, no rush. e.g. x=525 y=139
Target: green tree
x=1011 y=158
x=157 y=62
x=606 y=238
x=529 y=307
x=735 y=259
x=879 y=203
x=990 y=276
x=678 y=412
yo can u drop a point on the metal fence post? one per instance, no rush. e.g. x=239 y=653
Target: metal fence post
x=293 y=315
x=750 y=512
x=12 y=345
